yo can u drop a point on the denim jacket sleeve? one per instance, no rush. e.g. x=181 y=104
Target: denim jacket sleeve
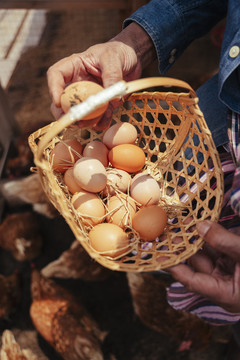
x=229 y=67
x=174 y=24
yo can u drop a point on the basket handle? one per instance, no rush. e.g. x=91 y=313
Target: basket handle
x=145 y=83
x=121 y=88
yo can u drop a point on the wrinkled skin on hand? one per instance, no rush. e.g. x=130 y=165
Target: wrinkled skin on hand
x=214 y=272
x=121 y=58
x=104 y=64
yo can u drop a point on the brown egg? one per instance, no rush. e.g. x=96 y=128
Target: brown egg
x=78 y=92
x=121 y=210
x=89 y=206
x=65 y=154
x=150 y=222
x=90 y=174
x=128 y=157
x=70 y=182
x=120 y=133
x=117 y=180
x=97 y=150
x=145 y=189
x=110 y=239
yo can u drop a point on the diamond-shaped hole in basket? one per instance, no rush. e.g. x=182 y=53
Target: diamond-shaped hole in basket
x=127 y=105
x=139 y=104
x=212 y=202
x=177 y=105
x=158 y=132
x=178 y=165
x=151 y=104
x=150 y=117
x=162 y=147
x=164 y=105
x=153 y=158
x=175 y=120
x=147 y=130
x=138 y=117
x=125 y=118
x=170 y=133
x=162 y=119
x=151 y=144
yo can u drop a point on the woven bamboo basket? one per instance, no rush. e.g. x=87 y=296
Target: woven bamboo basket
x=180 y=155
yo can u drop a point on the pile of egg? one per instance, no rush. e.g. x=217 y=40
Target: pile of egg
x=110 y=193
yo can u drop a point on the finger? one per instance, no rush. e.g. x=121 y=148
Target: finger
x=236 y=279
x=106 y=120
x=86 y=123
x=116 y=102
x=56 y=111
x=111 y=68
x=236 y=289
x=58 y=76
x=201 y=262
x=203 y=284
x=225 y=265
x=210 y=252
x=220 y=238
x=56 y=85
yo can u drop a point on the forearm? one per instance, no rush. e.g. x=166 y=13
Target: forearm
x=139 y=40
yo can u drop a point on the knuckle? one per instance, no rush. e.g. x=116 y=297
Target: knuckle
x=189 y=285
x=50 y=70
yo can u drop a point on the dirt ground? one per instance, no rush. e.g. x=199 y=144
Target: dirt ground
x=108 y=301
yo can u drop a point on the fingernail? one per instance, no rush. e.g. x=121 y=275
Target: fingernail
x=203 y=227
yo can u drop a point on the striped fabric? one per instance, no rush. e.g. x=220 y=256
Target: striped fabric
x=235 y=194
x=234 y=142
x=178 y=297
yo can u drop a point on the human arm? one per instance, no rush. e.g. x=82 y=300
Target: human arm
x=174 y=24
x=214 y=272
x=162 y=29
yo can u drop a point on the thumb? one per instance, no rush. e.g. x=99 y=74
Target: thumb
x=56 y=85
x=220 y=238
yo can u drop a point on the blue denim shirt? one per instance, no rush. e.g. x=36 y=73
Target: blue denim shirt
x=174 y=24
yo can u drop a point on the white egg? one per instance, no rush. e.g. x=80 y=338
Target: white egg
x=90 y=174
x=120 y=133
x=117 y=180
x=145 y=189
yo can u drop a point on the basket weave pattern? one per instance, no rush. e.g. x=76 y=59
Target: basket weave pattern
x=180 y=155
